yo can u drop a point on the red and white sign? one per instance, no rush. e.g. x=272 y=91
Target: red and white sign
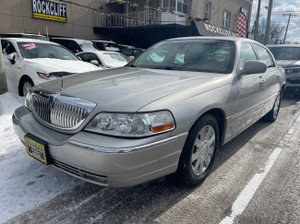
x=242 y=25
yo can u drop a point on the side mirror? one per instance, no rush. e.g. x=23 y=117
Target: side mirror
x=130 y=58
x=254 y=67
x=12 y=58
x=95 y=62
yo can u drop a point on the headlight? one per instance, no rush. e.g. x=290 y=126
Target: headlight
x=132 y=125
x=291 y=70
x=43 y=75
x=27 y=100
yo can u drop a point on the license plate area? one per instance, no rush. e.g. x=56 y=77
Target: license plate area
x=37 y=148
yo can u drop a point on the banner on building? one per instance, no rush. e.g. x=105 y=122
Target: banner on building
x=242 y=25
x=42 y=9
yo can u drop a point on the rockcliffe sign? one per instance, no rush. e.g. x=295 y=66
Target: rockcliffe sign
x=42 y=9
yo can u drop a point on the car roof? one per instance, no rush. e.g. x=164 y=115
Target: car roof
x=211 y=38
x=283 y=45
x=19 y=39
x=104 y=41
x=100 y=52
x=67 y=38
x=24 y=34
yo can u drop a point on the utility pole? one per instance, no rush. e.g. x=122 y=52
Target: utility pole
x=257 y=20
x=287 y=27
x=266 y=39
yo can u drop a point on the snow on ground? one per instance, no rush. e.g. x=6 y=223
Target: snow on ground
x=9 y=141
x=25 y=183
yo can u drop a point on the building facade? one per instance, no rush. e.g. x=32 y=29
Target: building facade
x=137 y=22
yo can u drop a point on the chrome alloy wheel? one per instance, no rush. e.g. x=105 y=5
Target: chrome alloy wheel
x=26 y=87
x=203 y=150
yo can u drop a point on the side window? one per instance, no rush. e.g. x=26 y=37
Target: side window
x=73 y=46
x=88 y=57
x=264 y=55
x=246 y=54
x=7 y=47
x=3 y=45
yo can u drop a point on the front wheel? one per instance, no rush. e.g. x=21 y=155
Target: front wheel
x=26 y=85
x=273 y=114
x=199 y=151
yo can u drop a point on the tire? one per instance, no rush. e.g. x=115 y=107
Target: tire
x=199 y=151
x=26 y=84
x=272 y=115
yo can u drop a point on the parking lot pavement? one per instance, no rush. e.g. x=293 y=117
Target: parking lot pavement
x=255 y=179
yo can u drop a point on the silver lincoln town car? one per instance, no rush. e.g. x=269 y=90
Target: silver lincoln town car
x=168 y=111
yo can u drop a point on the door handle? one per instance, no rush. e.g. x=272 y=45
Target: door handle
x=262 y=82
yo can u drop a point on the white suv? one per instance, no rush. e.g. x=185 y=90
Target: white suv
x=29 y=62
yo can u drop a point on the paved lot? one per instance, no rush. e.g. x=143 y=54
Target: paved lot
x=256 y=179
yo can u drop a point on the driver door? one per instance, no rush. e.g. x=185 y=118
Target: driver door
x=251 y=100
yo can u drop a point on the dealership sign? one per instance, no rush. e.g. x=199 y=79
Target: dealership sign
x=42 y=9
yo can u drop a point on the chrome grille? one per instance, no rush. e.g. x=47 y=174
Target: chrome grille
x=61 y=111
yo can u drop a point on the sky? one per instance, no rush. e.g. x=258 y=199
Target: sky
x=280 y=14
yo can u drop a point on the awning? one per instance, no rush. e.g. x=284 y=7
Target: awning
x=206 y=29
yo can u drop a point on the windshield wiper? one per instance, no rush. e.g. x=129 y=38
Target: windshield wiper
x=130 y=66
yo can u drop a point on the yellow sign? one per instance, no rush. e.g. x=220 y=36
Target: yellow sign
x=49 y=17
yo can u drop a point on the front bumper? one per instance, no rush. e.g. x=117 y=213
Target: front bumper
x=105 y=160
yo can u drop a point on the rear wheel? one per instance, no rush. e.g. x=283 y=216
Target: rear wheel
x=26 y=85
x=199 y=151
x=273 y=114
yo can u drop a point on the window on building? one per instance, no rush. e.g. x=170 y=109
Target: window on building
x=226 y=21
x=172 y=5
x=182 y=6
x=175 y=5
x=207 y=10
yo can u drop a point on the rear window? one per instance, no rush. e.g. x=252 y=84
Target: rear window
x=286 y=53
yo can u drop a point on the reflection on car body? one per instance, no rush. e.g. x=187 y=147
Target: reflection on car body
x=160 y=114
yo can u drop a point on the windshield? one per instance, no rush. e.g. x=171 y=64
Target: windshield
x=32 y=50
x=114 y=59
x=286 y=53
x=87 y=45
x=215 y=56
x=105 y=46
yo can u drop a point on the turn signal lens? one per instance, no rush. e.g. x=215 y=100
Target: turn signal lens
x=42 y=75
x=162 y=128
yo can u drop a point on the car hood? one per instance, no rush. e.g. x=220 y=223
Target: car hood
x=127 y=89
x=288 y=63
x=48 y=65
